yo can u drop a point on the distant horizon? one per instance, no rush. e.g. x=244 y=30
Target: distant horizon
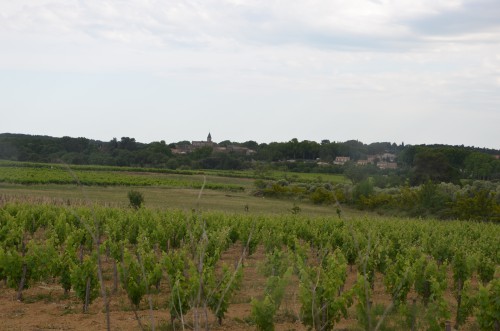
x=257 y=141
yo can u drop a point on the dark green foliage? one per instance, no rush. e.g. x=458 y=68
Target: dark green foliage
x=481 y=166
x=356 y=173
x=428 y=162
x=362 y=189
x=295 y=209
x=433 y=166
x=430 y=201
x=136 y=199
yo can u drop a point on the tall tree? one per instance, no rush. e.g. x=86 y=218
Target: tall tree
x=434 y=166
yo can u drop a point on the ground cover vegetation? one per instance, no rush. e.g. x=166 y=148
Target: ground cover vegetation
x=316 y=273
x=446 y=182
x=467 y=199
x=268 y=264
x=53 y=174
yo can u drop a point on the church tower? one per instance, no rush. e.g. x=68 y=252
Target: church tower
x=209 y=138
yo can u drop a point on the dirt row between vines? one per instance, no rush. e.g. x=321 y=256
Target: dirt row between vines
x=46 y=308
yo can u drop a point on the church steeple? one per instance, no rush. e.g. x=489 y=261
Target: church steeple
x=209 y=138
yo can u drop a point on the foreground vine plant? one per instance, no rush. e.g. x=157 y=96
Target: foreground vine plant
x=177 y=256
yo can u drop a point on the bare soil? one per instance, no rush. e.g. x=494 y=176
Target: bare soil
x=46 y=308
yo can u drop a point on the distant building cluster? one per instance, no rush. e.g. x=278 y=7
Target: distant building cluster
x=383 y=161
x=189 y=148
x=341 y=160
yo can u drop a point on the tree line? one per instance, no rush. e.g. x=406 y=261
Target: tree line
x=416 y=163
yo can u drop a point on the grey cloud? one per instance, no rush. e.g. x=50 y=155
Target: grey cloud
x=474 y=16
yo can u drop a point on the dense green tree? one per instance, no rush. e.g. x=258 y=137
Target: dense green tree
x=127 y=143
x=253 y=145
x=358 y=173
x=480 y=166
x=225 y=143
x=434 y=166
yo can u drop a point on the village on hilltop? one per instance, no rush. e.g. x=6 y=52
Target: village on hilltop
x=188 y=148
x=383 y=161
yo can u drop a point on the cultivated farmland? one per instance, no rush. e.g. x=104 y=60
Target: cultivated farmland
x=78 y=257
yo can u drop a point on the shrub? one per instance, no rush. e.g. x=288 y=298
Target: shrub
x=322 y=195
x=260 y=184
x=295 y=209
x=363 y=188
x=136 y=199
x=479 y=205
x=263 y=313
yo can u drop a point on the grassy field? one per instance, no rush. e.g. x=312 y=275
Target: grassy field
x=180 y=190
x=164 y=198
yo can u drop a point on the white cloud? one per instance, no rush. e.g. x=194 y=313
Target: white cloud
x=359 y=54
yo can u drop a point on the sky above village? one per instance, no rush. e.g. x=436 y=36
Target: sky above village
x=412 y=71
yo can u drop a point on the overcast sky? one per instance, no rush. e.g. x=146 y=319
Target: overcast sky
x=412 y=71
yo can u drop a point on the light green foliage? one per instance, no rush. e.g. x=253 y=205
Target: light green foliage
x=468 y=302
x=430 y=285
x=218 y=242
x=105 y=176
x=275 y=287
x=277 y=268
x=399 y=278
x=83 y=278
x=488 y=301
x=479 y=204
x=320 y=291
x=34 y=262
x=132 y=278
x=322 y=196
x=368 y=260
x=463 y=266
x=485 y=269
x=67 y=262
x=429 y=277
x=263 y=313
x=149 y=261
x=437 y=310
x=363 y=293
x=221 y=290
x=174 y=263
x=276 y=263
x=184 y=248
x=11 y=263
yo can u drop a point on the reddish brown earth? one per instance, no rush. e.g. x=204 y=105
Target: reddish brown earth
x=46 y=308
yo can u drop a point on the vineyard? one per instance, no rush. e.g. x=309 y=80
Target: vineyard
x=119 y=268
x=105 y=177
x=22 y=173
